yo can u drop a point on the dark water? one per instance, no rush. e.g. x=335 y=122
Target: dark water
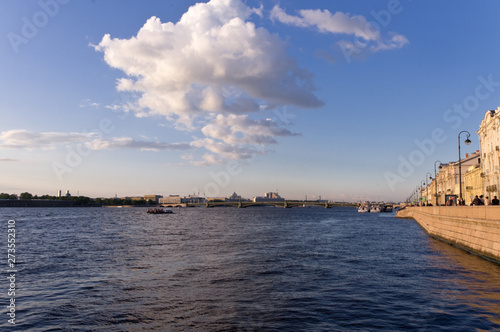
x=254 y=269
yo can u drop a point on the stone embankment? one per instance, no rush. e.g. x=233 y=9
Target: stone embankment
x=472 y=228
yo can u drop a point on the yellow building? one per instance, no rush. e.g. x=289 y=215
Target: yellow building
x=473 y=184
x=447 y=179
x=154 y=198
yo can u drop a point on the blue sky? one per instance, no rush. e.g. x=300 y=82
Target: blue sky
x=347 y=100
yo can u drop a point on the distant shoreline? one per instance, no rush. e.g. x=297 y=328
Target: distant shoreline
x=40 y=203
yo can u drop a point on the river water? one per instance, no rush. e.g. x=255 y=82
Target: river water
x=229 y=269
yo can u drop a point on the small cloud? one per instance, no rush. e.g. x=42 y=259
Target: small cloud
x=129 y=143
x=8 y=160
x=366 y=37
x=326 y=22
x=187 y=157
x=23 y=139
x=208 y=160
x=87 y=103
x=323 y=54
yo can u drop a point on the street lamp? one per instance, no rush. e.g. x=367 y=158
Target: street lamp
x=422 y=193
x=435 y=179
x=419 y=195
x=427 y=187
x=467 y=141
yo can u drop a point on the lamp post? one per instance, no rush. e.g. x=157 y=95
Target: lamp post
x=435 y=179
x=419 y=195
x=467 y=141
x=427 y=186
x=422 y=193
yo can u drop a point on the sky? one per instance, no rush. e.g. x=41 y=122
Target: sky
x=343 y=100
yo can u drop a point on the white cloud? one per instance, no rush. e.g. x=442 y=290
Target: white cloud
x=212 y=62
x=326 y=22
x=207 y=160
x=87 y=103
x=23 y=139
x=240 y=129
x=129 y=143
x=367 y=38
x=226 y=150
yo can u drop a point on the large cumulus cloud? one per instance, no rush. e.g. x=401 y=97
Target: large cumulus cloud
x=209 y=66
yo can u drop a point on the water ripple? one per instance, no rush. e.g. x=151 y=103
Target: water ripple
x=243 y=270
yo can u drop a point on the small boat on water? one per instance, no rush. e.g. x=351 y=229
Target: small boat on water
x=159 y=211
x=388 y=208
x=374 y=207
x=364 y=208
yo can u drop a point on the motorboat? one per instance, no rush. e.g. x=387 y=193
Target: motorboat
x=376 y=209
x=159 y=211
x=364 y=208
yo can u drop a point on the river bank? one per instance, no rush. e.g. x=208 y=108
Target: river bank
x=475 y=229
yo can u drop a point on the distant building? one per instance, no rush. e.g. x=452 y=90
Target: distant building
x=269 y=197
x=68 y=194
x=154 y=198
x=448 y=183
x=473 y=183
x=59 y=193
x=133 y=198
x=172 y=199
x=234 y=198
x=176 y=199
x=480 y=170
x=217 y=199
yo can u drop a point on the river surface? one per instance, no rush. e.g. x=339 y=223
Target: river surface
x=229 y=269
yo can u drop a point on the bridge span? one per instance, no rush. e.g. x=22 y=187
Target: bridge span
x=245 y=204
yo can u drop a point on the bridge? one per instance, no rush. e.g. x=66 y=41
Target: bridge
x=245 y=204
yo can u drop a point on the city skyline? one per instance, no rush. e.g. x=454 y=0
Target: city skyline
x=350 y=101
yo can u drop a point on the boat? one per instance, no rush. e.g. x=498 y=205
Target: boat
x=388 y=208
x=364 y=208
x=376 y=209
x=159 y=211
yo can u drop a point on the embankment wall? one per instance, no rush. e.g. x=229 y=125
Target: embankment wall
x=472 y=228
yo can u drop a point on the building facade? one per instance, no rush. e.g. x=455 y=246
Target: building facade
x=480 y=170
x=269 y=197
x=489 y=139
x=154 y=198
x=176 y=199
x=473 y=183
x=447 y=179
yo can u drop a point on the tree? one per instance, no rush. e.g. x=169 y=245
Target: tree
x=4 y=196
x=26 y=195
